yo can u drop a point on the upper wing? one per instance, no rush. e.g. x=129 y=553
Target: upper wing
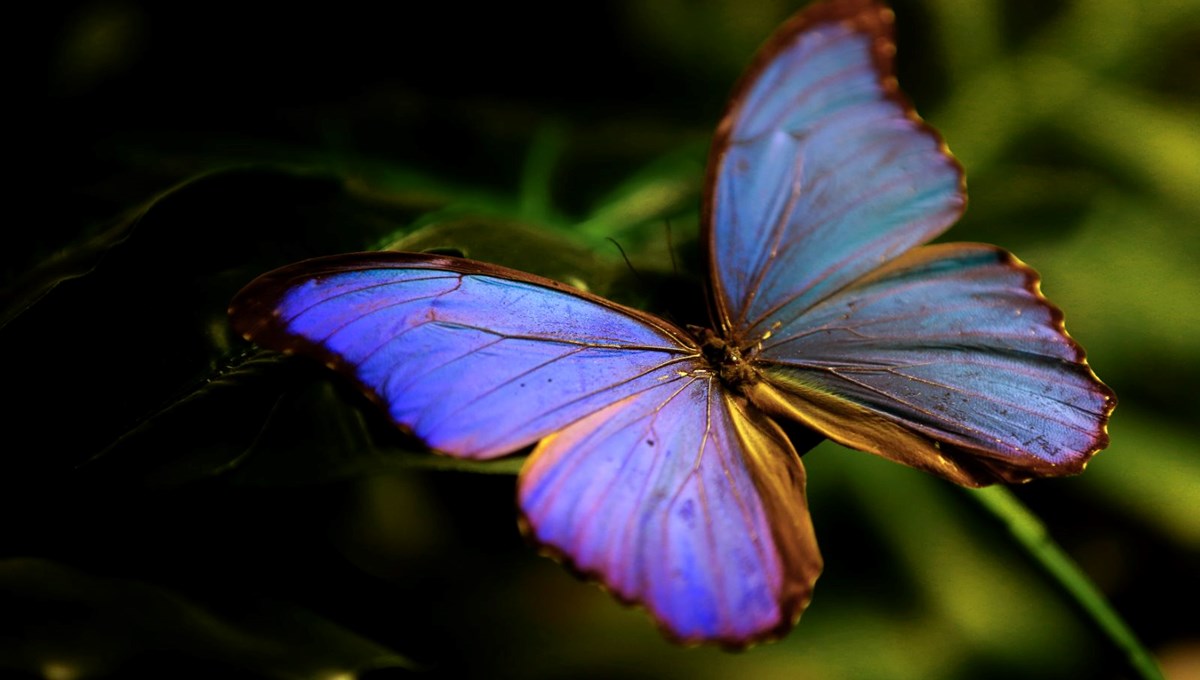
x=474 y=359
x=683 y=500
x=947 y=359
x=820 y=170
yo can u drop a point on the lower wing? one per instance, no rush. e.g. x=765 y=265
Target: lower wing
x=946 y=359
x=683 y=500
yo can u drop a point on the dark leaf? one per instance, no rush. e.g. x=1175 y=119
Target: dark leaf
x=60 y=622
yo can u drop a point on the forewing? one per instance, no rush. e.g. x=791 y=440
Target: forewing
x=474 y=359
x=682 y=500
x=820 y=171
x=947 y=359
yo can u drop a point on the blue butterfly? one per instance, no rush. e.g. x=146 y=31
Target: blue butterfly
x=659 y=469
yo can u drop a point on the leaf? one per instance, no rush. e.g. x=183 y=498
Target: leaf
x=224 y=416
x=512 y=244
x=1152 y=473
x=269 y=420
x=322 y=432
x=138 y=317
x=666 y=188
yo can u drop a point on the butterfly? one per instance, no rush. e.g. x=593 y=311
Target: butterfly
x=659 y=468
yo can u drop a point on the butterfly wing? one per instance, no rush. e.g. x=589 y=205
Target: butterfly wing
x=650 y=478
x=820 y=171
x=474 y=359
x=944 y=358
x=682 y=499
x=947 y=359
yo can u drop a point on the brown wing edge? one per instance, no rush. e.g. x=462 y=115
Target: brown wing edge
x=780 y=478
x=1033 y=284
x=866 y=16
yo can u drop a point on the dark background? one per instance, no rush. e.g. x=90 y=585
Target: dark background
x=176 y=505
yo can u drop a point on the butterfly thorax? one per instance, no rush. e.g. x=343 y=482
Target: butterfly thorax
x=732 y=364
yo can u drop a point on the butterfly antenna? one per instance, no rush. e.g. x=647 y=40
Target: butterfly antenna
x=671 y=248
x=636 y=273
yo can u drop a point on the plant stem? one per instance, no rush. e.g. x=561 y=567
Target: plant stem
x=1031 y=534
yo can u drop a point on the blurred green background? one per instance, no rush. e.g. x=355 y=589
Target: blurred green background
x=178 y=504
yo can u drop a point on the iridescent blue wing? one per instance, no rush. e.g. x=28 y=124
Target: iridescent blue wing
x=949 y=359
x=945 y=358
x=820 y=171
x=682 y=499
x=475 y=360
x=649 y=478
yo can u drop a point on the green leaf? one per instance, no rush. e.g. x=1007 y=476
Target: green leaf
x=1152 y=473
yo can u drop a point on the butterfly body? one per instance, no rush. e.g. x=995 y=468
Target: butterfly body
x=729 y=360
x=659 y=468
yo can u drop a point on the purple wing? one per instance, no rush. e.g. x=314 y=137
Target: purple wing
x=648 y=477
x=820 y=171
x=476 y=360
x=682 y=500
x=948 y=359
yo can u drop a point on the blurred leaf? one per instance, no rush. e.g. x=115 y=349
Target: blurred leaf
x=716 y=36
x=269 y=420
x=646 y=282
x=1151 y=472
x=969 y=35
x=223 y=415
x=1153 y=141
x=99 y=41
x=25 y=291
x=664 y=189
x=1058 y=77
x=408 y=188
x=144 y=321
x=64 y=623
x=534 y=202
x=983 y=595
x=1123 y=276
x=318 y=433
x=517 y=245
x=1029 y=533
x=1109 y=35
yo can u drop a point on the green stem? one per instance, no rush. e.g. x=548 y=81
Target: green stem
x=1032 y=536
